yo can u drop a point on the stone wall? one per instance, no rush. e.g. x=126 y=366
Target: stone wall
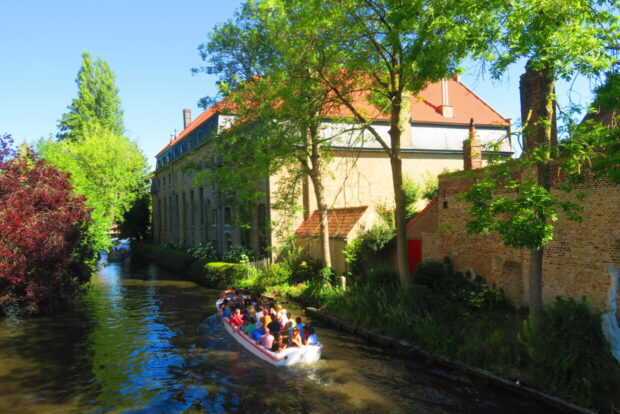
x=575 y=262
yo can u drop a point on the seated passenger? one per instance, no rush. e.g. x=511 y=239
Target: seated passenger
x=310 y=336
x=288 y=327
x=266 y=320
x=274 y=326
x=226 y=312
x=277 y=345
x=237 y=318
x=266 y=340
x=259 y=312
x=300 y=326
x=295 y=338
x=257 y=333
x=251 y=326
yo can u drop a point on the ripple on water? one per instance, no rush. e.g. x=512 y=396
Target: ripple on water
x=143 y=341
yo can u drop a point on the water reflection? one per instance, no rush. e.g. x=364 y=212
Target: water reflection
x=142 y=340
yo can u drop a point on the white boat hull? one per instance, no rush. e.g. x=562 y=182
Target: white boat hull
x=289 y=356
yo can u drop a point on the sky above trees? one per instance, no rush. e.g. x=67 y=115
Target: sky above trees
x=151 y=46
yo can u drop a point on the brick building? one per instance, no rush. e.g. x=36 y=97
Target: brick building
x=187 y=212
x=576 y=261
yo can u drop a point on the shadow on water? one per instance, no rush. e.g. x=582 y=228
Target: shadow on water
x=143 y=340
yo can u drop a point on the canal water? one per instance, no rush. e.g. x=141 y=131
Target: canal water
x=142 y=340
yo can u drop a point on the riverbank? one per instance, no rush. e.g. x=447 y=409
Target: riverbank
x=455 y=320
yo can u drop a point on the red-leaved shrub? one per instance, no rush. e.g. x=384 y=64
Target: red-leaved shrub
x=43 y=253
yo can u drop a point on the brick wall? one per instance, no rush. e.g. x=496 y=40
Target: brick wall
x=575 y=262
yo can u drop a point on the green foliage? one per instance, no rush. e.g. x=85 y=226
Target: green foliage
x=366 y=247
x=413 y=193
x=205 y=252
x=570 y=355
x=97 y=102
x=475 y=294
x=524 y=217
x=240 y=254
x=220 y=275
x=105 y=167
x=136 y=223
x=569 y=36
x=382 y=275
x=276 y=274
x=430 y=187
x=594 y=144
x=176 y=260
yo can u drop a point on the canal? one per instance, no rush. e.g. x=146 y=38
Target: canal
x=142 y=340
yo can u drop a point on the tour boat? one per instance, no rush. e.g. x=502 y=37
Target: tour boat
x=289 y=356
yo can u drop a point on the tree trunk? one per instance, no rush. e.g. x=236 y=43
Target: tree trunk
x=399 y=194
x=319 y=193
x=537 y=109
x=536 y=302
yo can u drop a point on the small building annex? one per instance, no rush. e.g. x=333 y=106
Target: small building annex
x=187 y=212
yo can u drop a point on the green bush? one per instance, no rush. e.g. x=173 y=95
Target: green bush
x=366 y=247
x=570 y=355
x=240 y=254
x=276 y=274
x=205 y=252
x=220 y=275
x=383 y=275
x=413 y=193
x=172 y=259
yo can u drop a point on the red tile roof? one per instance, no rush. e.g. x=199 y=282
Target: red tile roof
x=222 y=106
x=466 y=105
x=340 y=221
x=425 y=108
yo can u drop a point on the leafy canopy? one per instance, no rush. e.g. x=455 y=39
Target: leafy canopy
x=106 y=168
x=43 y=244
x=97 y=101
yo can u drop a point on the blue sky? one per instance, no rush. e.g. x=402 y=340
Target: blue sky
x=151 y=47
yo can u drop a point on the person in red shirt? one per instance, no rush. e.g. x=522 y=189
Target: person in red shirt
x=237 y=318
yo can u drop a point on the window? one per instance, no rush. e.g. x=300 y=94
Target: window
x=201 y=201
x=191 y=206
x=214 y=217
x=227 y=216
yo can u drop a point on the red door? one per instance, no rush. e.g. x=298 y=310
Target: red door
x=414 y=251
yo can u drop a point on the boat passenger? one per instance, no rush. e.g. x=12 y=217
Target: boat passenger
x=251 y=326
x=227 y=310
x=257 y=333
x=259 y=312
x=266 y=340
x=310 y=335
x=278 y=344
x=274 y=326
x=266 y=320
x=237 y=318
x=295 y=338
x=300 y=326
x=288 y=328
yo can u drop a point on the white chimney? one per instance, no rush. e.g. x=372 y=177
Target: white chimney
x=446 y=110
x=187 y=117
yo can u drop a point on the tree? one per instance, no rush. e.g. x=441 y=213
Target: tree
x=106 y=168
x=558 y=38
x=387 y=51
x=136 y=223
x=267 y=78
x=97 y=101
x=43 y=246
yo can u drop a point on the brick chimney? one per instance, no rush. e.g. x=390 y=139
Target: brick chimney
x=187 y=117
x=446 y=110
x=472 y=149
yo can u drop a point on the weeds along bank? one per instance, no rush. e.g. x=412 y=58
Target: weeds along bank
x=564 y=354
